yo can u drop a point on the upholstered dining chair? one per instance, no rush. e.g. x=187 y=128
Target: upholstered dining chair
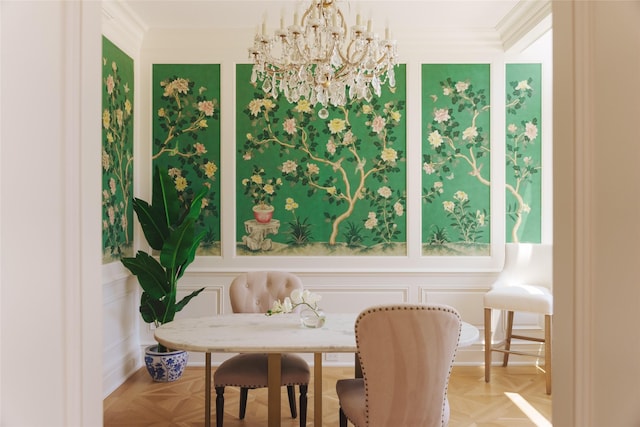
x=524 y=285
x=255 y=292
x=406 y=353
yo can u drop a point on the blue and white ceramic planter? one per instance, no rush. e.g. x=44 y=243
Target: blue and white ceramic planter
x=165 y=367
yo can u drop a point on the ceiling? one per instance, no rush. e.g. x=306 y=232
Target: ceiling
x=396 y=14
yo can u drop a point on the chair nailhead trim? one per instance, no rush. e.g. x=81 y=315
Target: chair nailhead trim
x=370 y=310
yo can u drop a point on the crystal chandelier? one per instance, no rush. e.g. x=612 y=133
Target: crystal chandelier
x=319 y=59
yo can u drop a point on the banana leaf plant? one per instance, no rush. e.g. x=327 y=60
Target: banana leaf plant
x=169 y=229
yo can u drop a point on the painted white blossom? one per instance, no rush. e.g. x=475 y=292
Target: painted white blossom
x=385 y=192
x=428 y=168
x=289 y=166
x=331 y=147
x=441 y=115
x=470 y=133
x=371 y=222
x=523 y=85
x=435 y=139
x=462 y=86
x=512 y=128
x=398 y=208
x=448 y=206
x=461 y=196
x=531 y=131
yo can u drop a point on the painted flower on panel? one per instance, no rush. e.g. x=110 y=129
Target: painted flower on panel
x=337 y=125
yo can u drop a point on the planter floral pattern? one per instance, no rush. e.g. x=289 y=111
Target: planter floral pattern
x=165 y=367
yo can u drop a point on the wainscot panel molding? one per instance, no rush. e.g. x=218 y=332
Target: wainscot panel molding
x=121 y=355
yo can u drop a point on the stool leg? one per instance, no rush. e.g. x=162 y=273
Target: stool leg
x=547 y=351
x=507 y=343
x=487 y=344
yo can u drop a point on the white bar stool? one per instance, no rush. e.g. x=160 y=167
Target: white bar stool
x=524 y=285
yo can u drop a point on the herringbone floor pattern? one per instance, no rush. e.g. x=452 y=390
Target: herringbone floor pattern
x=140 y=402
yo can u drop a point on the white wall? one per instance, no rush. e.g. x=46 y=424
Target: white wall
x=50 y=312
x=597 y=180
x=120 y=291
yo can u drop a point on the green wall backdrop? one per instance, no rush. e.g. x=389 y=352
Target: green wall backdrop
x=186 y=137
x=117 y=153
x=456 y=159
x=523 y=153
x=336 y=177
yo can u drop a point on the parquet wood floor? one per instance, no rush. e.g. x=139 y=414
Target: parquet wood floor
x=140 y=402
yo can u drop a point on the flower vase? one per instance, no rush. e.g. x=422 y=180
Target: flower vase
x=263 y=213
x=312 y=318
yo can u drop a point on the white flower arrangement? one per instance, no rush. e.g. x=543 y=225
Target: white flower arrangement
x=298 y=298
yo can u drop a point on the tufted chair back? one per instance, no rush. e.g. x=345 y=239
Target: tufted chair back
x=256 y=291
x=406 y=353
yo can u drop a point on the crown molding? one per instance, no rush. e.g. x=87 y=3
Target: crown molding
x=119 y=21
x=524 y=24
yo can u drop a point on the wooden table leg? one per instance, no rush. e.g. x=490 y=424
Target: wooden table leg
x=317 y=389
x=207 y=389
x=274 y=380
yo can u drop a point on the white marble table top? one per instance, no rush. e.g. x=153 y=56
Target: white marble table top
x=258 y=333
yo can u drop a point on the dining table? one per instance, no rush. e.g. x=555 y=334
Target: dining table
x=274 y=335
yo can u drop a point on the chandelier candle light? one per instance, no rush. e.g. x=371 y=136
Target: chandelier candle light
x=320 y=60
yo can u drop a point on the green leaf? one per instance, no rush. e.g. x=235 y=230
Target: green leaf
x=153 y=225
x=180 y=305
x=165 y=198
x=151 y=309
x=151 y=276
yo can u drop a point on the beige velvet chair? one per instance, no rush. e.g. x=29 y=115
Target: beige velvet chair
x=255 y=292
x=406 y=353
x=524 y=285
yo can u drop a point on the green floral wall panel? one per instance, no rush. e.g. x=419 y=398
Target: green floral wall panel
x=186 y=137
x=523 y=153
x=335 y=177
x=117 y=152
x=456 y=159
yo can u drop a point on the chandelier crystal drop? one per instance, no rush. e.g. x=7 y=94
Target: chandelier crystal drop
x=320 y=59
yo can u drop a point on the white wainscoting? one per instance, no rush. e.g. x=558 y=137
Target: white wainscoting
x=126 y=335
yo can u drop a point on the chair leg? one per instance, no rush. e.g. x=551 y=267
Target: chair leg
x=487 y=344
x=243 y=402
x=507 y=342
x=547 y=351
x=303 y=405
x=343 y=419
x=219 y=406
x=291 y=393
